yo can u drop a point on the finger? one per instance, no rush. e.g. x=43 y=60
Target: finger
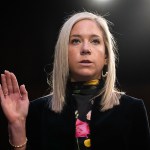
x=4 y=84
x=9 y=82
x=23 y=92
x=14 y=83
x=1 y=93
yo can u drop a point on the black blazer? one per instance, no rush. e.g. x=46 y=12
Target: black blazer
x=124 y=127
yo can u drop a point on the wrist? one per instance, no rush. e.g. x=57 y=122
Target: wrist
x=17 y=133
x=20 y=147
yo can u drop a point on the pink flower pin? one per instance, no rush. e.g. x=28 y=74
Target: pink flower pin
x=82 y=129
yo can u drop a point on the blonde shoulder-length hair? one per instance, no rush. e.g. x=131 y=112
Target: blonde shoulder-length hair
x=60 y=74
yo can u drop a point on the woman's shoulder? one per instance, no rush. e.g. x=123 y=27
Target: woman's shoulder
x=130 y=99
x=134 y=103
x=41 y=100
x=40 y=103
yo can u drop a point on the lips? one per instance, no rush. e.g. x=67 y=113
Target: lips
x=85 y=61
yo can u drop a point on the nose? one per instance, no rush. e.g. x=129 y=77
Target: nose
x=86 y=50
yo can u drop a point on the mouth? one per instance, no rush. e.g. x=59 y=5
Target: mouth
x=85 y=61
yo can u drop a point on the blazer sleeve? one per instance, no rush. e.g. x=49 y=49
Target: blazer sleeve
x=140 y=131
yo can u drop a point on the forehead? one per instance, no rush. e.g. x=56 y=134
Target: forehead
x=87 y=26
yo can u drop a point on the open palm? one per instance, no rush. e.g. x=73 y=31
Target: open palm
x=14 y=99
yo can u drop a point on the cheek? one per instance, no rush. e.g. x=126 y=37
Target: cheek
x=73 y=55
x=100 y=60
x=72 y=58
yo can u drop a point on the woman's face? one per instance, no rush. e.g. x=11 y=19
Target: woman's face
x=86 y=53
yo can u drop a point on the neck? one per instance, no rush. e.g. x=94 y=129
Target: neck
x=85 y=87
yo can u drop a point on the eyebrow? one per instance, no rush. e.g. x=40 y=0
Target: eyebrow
x=93 y=35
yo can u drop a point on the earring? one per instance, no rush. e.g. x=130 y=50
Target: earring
x=104 y=75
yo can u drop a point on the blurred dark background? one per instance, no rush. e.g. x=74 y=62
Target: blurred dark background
x=28 y=32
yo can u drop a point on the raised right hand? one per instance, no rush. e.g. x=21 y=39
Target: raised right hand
x=14 y=102
x=14 y=99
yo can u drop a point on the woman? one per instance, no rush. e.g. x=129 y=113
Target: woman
x=84 y=111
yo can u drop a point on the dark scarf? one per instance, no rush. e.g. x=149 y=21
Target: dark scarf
x=82 y=92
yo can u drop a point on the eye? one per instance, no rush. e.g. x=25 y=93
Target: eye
x=96 y=41
x=75 y=41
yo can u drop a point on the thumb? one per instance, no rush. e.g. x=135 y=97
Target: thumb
x=23 y=92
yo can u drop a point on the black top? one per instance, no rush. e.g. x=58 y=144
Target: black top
x=124 y=127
